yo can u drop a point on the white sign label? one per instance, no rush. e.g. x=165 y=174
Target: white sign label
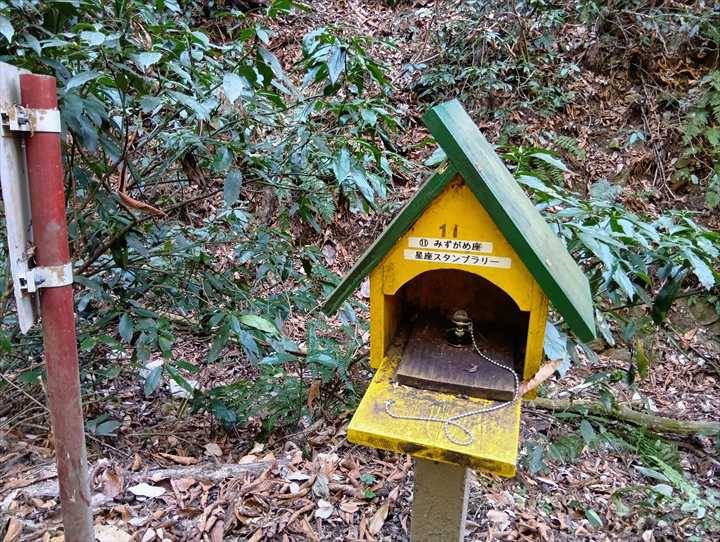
x=16 y=195
x=432 y=243
x=458 y=258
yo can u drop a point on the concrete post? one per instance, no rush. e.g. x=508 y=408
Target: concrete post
x=439 y=502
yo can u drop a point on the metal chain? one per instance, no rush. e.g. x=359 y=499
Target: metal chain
x=452 y=421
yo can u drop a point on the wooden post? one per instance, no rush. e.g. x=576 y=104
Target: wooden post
x=439 y=502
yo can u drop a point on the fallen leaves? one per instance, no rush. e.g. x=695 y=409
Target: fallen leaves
x=146 y=490
x=500 y=519
x=212 y=449
x=112 y=483
x=378 y=519
x=110 y=533
x=320 y=487
x=324 y=509
x=313 y=393
x=180 y=459
x=14 y=530
x=15 y=483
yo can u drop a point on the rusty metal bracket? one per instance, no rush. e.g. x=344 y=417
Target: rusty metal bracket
x=52 y=276
x=21 y=119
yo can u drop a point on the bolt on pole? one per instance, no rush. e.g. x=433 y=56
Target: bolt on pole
x=47 y=201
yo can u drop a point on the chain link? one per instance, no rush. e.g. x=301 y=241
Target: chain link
x=452 y=421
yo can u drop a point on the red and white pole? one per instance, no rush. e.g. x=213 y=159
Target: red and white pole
x=47 y=201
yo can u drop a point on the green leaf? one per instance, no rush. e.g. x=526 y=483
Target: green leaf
x=125 y=328
x=651 y=473
x=604 y=327
x=180 y=380
x=187 y=366
x=231 y=189
x=200 y=110
x=152 y=381
x=262 y=35
x=321 y=358
x=621 y=509
x=6 y=29
x=111 y=372
x=712 y=194
x=200 y=37
x=701 y=270
x=536 y=457
x=107 y=428
x=32 y=376
x=80 y=79
x=5 y=345
x=336 y=63
x=437 y=157
x=621 y=278
x=221 y=410
x=641 y=360
x=145 y=60
x=361 y=182
x=607 y=399
x=593 y=517
x=666 y=296
x=219 y=343
x=272 y=61
x=665 y=490
x=712 y=198
x=235 y=86
x=713 y=136
x=223 y=159
x=549 y=159
x=165 y=344
x=588 y=432
x=249 y=345
x=150 y=103
x=369 y=116
x=341 y=165
x=87 y=344
x=92 y=38
x=258 y=322
x=369 y=493
x=34 y=44
x=555 y=343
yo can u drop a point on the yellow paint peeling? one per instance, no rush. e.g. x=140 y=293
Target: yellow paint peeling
x=459 y=211
x=495 y=435
x=455 y=214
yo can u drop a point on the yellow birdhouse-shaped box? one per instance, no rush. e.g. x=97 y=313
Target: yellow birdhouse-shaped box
x=459 y=289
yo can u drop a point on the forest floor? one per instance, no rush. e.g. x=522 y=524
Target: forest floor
x=170 y=475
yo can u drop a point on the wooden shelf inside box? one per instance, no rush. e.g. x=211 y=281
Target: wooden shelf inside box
x=430 y=362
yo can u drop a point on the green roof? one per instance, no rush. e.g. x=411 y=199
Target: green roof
x=543 y=253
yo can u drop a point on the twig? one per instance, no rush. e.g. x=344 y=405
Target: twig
x=104 y=247
x=661 y=424
x=26 y=394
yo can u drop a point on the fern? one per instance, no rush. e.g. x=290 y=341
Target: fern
x=712 y=195
x=715 y=106
x=701 y=138
x=652 y=448
x=548 y=173
x=568 y=144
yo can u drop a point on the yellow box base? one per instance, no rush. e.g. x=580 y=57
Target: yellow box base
x=495 y=435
